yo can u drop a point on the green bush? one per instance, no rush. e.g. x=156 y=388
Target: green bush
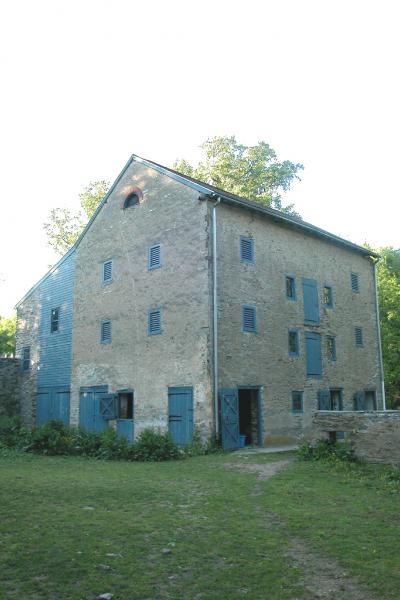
x=155 y=445
x=52 y=438
x=326 y=450
x=198 y=447
x=13 y=434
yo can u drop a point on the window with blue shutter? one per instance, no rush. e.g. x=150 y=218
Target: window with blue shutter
x=246 y=249
x=297 y=402
x=108 y=406
x=358 y=332
x=331 y=347
x=54 y=320
x=106 y=332
x=249 y=318
x=154 y=259
x=107 y=271
x=290 y=286
x=313 y=354
x=154 y=322
x=355 y=286
x=26 y=358
x=328 y=296
x=311 y=307
x=293 y=343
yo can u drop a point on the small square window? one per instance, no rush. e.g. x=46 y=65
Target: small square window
x=331 y=347
x=297 y=402
x=106 y=332
x=247 y=249
x=328 y=296
x=154 y=322
x=107 y=271
x=54 y=320
x=358 y=332
x=290 y=288
x=26 y=358
x=293 y=343
x=249 y=318
x=355 y=285
x=154 y=259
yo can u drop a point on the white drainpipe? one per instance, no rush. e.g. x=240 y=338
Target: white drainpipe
x=379 y=338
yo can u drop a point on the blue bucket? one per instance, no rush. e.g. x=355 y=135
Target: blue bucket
x=242 y=441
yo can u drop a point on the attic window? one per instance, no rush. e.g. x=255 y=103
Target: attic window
x=134 y=198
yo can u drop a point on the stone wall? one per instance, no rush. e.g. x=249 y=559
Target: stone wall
x=172 y=216
x=10 y=371
x=262 y=358
x=375 y=436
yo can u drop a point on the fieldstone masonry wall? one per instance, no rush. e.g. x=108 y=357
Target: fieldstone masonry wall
x=375 y=436
x=10 y=371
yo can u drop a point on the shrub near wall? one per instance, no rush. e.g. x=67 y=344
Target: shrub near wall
x=54 y=438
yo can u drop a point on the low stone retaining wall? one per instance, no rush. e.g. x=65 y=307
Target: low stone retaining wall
x=10 y=372
x=375 y=436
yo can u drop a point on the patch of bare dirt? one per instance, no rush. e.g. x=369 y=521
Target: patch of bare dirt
x=324 y=578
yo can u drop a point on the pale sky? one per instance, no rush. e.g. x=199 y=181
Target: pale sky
x=83 y=85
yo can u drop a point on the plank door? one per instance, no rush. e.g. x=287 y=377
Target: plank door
x=180 y=414
x=125 y=429
x=90 y=417
x=229 y=418
x=43 y=406
x=60 y=405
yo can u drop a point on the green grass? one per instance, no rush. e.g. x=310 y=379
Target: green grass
x=72 y=528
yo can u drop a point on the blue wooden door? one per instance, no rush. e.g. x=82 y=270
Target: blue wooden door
x=43 y=406
x=125 y=429
x=90 y=417
x=229 y=418
x=60 y=405
x=180 y=414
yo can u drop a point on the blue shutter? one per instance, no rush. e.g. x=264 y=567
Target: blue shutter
x=229 y=418
x=249 y=318
x=247 y=249
x=106 y=332
x=313 y=354
x=107 y=271
x=154 y=257
x=359 y=336
x=354 y=282
x=359 y=401
x=324 y=400
x=154 y=322
x=310 y=296
x=331 y=347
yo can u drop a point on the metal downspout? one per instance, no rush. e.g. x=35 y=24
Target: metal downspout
x=379 y=338
x=215 y=315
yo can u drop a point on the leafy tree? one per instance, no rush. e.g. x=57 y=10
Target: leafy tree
x=388 y=276
x=64 y=227
x=252 y=172
x=7 y=336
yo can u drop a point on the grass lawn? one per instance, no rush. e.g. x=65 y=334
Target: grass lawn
x=201 y=528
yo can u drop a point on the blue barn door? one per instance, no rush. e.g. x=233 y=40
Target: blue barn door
x=90 y=417
x=43 y=406
x=180 y=414
x=229 y=418
x=60 y=405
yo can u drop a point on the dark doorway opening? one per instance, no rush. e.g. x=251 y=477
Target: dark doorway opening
x=249 y=416
x=125 y=405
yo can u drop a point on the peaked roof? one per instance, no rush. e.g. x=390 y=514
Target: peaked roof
x=213 y=192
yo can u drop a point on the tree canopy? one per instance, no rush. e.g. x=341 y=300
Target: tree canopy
x=252 y=172
x=7 y=336
x=388 y=278
x=64 y=227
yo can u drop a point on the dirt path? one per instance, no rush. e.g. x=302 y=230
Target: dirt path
x=323 y=578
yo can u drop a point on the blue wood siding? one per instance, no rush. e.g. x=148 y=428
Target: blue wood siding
x=180 y=414
x=311 y=306
x=55 y=348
